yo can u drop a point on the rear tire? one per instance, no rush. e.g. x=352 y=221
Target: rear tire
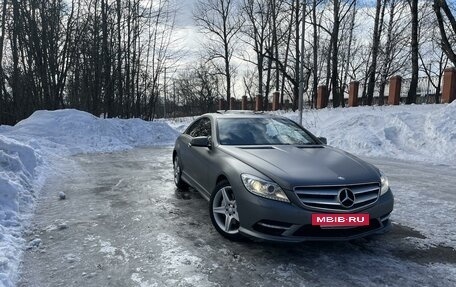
x=178 y=174
x=223 y=211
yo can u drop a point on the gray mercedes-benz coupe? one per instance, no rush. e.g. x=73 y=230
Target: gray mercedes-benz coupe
x=268 y=178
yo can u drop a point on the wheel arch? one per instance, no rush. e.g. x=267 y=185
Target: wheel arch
x=221 y=178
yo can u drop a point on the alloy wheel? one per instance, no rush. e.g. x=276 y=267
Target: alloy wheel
x=177 y=170
x=224 y=210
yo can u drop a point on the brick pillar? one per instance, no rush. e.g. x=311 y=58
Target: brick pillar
x=232 y=103
x=322 y=92
x=259 y=103
x=221 y=104
x=244 y=103
x=449 y=85
x=275 y=101
x=353 y=94
x=395 y=90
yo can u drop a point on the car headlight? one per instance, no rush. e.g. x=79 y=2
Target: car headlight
x=384 y=183
x=264 y=188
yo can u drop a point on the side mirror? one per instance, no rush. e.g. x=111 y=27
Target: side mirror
x=201 y=142
x=323 y=140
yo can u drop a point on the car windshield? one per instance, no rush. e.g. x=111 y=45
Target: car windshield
x=262 y=131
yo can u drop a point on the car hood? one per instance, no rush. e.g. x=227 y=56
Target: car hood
x=291 y=166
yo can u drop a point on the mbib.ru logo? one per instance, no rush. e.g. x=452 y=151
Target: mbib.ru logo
x=325 y=219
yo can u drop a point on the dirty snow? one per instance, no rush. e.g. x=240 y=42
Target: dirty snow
x=175 y=244
x=27 y=153
x=28 y=149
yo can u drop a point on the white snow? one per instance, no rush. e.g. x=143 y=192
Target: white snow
x=410 y=132
x=182 y=265
x=72 y=131
x=27 y=153
x=107 y=248
x=29 y=149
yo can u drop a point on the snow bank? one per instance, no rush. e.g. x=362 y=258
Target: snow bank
x=28 y=149
x=17 y=177
x=410 y=132
x=72 y=131
x=180 y=124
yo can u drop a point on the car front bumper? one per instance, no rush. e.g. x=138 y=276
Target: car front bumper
x=271 y=220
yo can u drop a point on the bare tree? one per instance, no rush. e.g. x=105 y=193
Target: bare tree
x=378 y=24
x=256 y=17
x=348 y=51
x=447 y=26
x=411 y=96
x=315 y=44
x=3 y=92
x=392 y=56
x=433 y=59
x=197 y=87
x=219 y=20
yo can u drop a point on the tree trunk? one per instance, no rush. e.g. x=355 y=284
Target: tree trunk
x=296 y=86
x=108 y=96
x=375 y=49
x=287 y=50
x=411 y=97
x=119 y=110
x=335 y=54
x=349 y=54
x=3 y=117
x=439 y=7
x=315 y=54
x=275 y=44
x=15 y=55
x=388 y=54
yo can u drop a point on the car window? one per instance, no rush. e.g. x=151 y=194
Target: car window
x=262 y=131
x=201 y=127
x=192 y=127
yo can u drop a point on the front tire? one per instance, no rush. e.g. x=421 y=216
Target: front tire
x=223 y=211
x=178 y=174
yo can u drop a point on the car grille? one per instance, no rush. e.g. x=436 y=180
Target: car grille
x=326 y=197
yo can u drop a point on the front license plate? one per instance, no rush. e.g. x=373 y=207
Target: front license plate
x=334 y=220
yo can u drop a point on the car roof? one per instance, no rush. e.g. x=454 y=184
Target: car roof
x=240 y=114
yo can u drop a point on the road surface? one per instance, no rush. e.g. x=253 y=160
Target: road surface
x=123 y=223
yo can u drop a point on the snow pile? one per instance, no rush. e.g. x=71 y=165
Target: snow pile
x=18 y=164
x=180 y=124
x=413 y=132
x=28 y=149
x=72 y=131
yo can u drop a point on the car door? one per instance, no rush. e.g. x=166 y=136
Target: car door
x=196 y=159
x=185 y=151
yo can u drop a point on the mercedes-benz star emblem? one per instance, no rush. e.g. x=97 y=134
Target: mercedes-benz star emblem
x=346 y=197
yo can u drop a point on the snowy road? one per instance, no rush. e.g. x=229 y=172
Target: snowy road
x=124 y=224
